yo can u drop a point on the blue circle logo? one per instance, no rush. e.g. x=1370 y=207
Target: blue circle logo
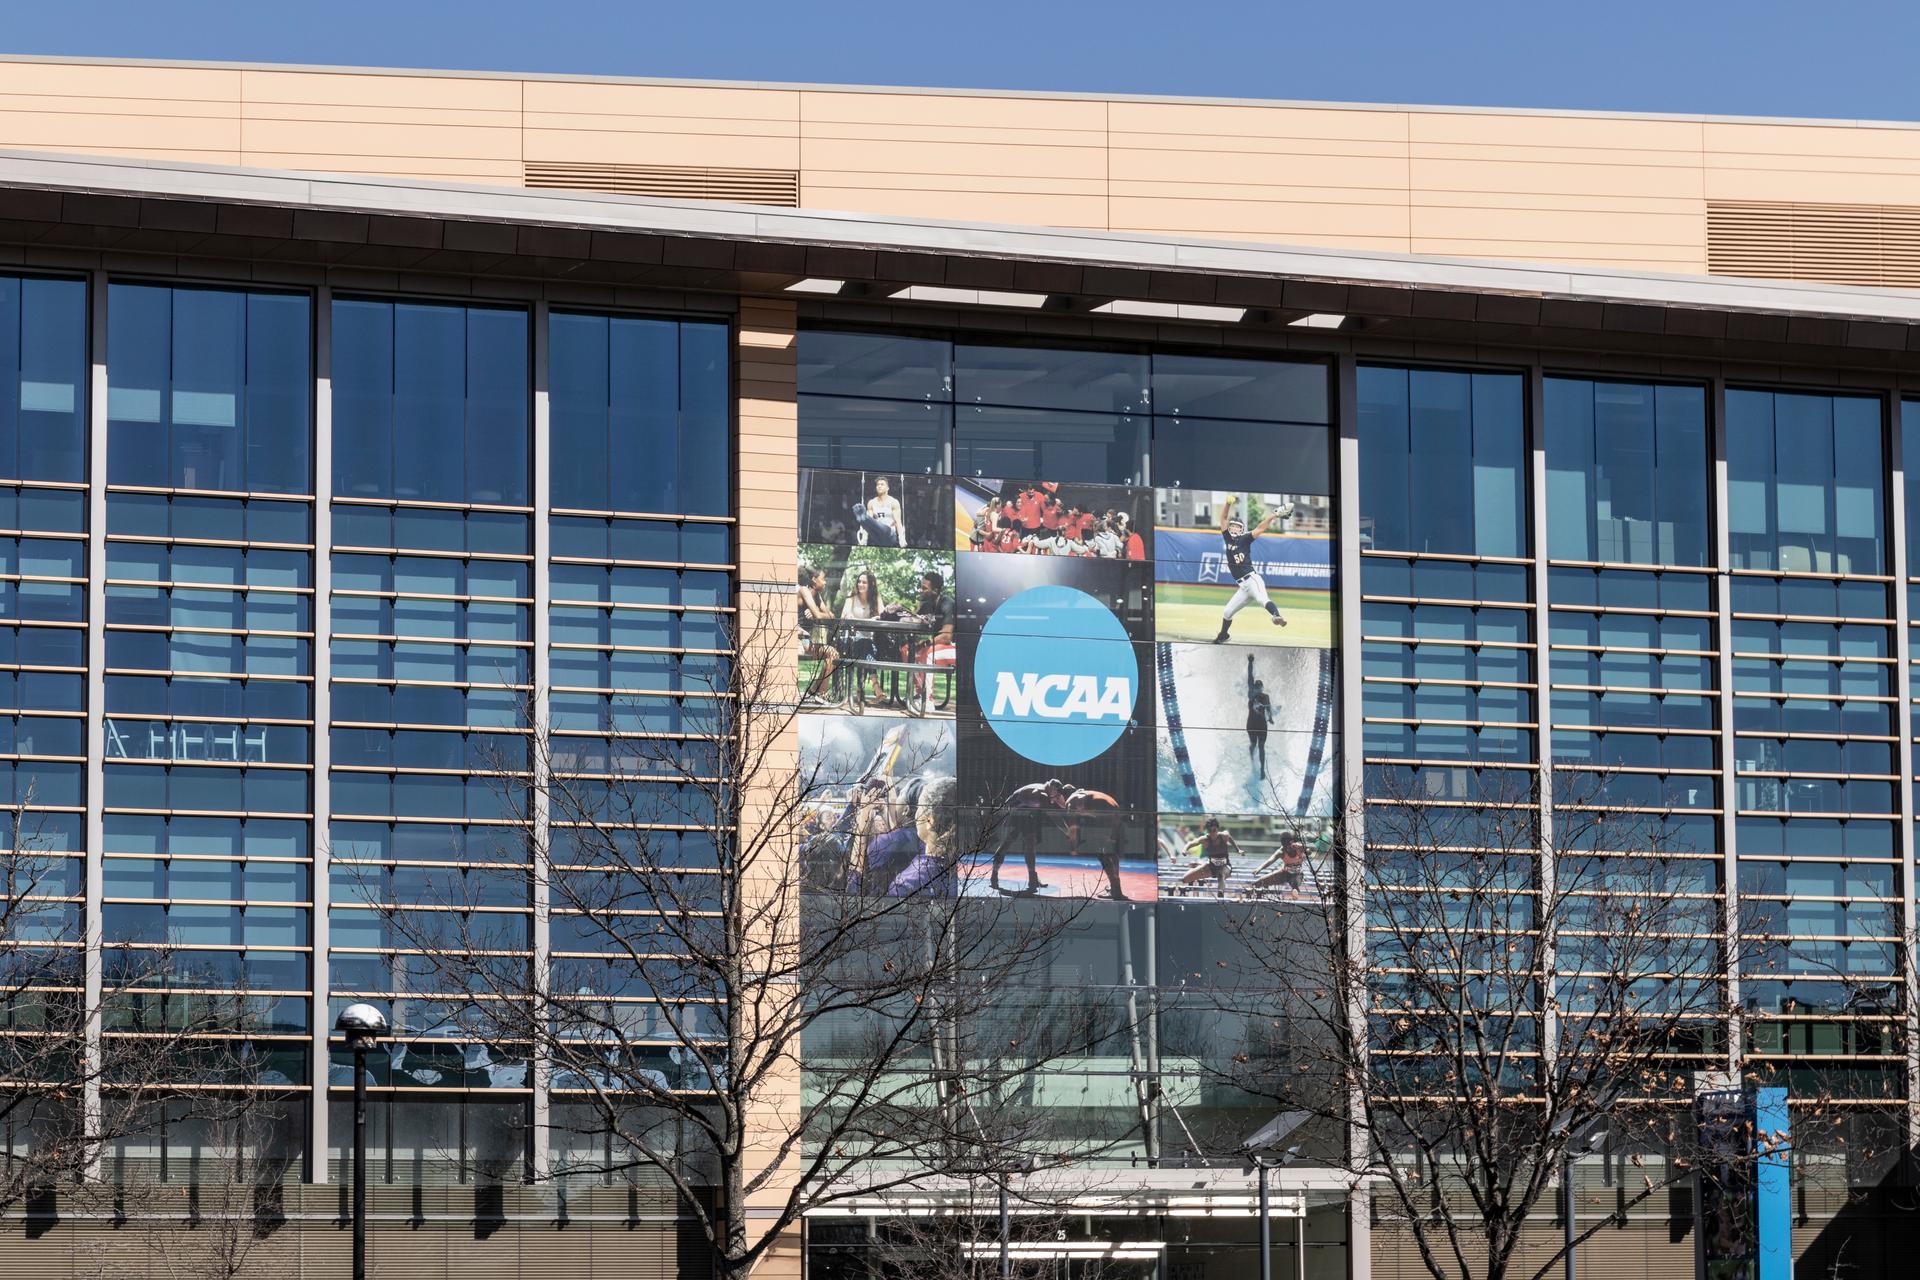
x=1056 y=675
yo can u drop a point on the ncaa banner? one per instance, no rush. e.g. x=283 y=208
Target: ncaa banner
x=1091 y=691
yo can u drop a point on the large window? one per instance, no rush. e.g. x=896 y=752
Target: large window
x=637 y=640
x=1627 y=472
x=640 y=414
x=43 y=363
x=208 y=389
x=1805 y=487
x=1817 y=795
x=208 y=715
x=430 y=402
x=1442 y=461
x=922 y=405
x=432 y=674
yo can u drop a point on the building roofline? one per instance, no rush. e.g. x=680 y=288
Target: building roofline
x=826 y=229
x=1056 y=95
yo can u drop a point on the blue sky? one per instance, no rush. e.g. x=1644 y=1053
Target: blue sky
x=1843 y=58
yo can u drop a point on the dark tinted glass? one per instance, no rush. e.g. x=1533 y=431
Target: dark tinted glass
x=1034 y=444
x=208 y=389
x=641 y=415
x=1626 y=472
x=43 y=356
x=1217 y=387
x=1269 y=457
x=874 y=435
x=1047 y=378
x=1442 y=458
x=1805 y=482
x=869 y=364
x=431 y=402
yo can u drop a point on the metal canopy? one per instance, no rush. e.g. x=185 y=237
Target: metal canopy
x=55 y=207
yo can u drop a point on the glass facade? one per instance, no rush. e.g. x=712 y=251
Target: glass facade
x=1817 y=787
x=206 y=805
x=1553 y=586
x=636 y=641
x=887 y=403
x=1633 y=668
x=1107 y=476
x=338 y=676
x=223 y=565
x=43 y=632
x=432 y=697
x=1723 y=668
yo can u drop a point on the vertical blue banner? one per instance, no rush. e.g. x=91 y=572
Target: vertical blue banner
x=1773 y=1209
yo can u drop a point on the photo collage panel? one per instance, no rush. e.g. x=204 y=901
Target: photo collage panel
x=1026 y=688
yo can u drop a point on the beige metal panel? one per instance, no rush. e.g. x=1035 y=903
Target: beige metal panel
x=1265 y=218
x=1443 y=221
x=860 y=131
x=769 y=441
x=1030 y=119
x=139 y=139
x=1084 y=211
x=1524 y=129
x=1841 y=167
x=785 y=1261
x=1388 y=244
x=1246 y=150
x=884 y=155
x=1600 y=158
x=770 y=109
x=1220 y=124
x=1566 y=177
x=59 y=104
x=346 y=88
x=420 y=141
x=1731 y=183
x=768 y=550
x=662 y=124
x=190 y=87
x=1035 y=161
x=182 y=113
x=432 y=168
x=990 y=184
x=353 y=113
x=1586 y=202
x=686 y=143
x=1792 y=142
x=329 y=120
x=1278 y=172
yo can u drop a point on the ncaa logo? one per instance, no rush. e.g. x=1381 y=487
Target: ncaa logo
x=1056 y=675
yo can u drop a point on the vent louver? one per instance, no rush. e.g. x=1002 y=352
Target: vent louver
x=739 y=186
x=1833 y=243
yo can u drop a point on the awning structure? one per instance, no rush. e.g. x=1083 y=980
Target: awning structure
x=381 y=229
x=1099 y=1192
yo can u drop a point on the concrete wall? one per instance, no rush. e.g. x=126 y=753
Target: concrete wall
x=1620 y=190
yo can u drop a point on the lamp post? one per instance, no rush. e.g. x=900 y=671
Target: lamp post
x=1002 y=1174
x=1592 y=1138
x=1006 y=1262
x=360 y=1023
x=1264 y=1152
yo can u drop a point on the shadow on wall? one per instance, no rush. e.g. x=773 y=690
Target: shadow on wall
x=1860 y=1232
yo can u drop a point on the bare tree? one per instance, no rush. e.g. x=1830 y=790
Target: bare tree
x=715 y=912
x=82 y=1072
x=199 y=1193
x=1524 y=988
